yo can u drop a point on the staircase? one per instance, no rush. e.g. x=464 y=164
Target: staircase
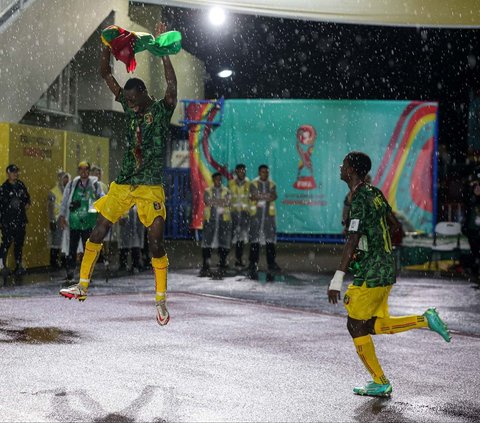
x=34 y=49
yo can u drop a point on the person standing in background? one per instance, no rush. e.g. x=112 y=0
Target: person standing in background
x=471 y=222
x=54 y=202
x=14 y=202
x=98 y=172
x=77 y=212
x=104 y=256
x=217 y=225
x=130 y=241
x=240 y=189
x=263 y=228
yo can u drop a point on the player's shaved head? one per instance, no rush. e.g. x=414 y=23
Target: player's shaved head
x=135 y=83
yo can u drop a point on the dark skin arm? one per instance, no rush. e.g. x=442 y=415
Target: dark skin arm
x=171 y=92
x=394 y=224
x=347 y=255
x=170 y=77
x=106 y=72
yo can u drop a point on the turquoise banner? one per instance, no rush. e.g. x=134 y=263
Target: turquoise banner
x=304 y=142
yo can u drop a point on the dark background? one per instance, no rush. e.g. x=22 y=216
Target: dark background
x=283 y=58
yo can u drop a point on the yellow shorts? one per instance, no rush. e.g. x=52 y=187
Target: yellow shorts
x=149 y=199
x=363 y=303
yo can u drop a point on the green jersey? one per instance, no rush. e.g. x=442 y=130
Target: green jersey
x=82 y=215
x=374 y=262
x=145 y=144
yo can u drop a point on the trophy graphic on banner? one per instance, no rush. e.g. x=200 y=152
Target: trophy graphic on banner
x=306 y=136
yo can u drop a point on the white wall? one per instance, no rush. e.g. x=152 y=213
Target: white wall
x=38 y=45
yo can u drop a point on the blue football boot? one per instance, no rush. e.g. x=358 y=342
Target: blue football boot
x=373 y=389
x=436 y=324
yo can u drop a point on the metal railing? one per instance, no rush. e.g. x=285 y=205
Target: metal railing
x=178 y=203
x=9 y=8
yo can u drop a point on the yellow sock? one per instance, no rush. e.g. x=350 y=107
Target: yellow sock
x=90 y=256
x=160 y=266
x=366 y=352
x=399 y=324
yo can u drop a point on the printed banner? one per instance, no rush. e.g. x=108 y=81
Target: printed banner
x=304 y=143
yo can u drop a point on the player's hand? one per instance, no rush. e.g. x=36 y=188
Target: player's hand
x=335 y=287
x=333 y=296
x=160 y=28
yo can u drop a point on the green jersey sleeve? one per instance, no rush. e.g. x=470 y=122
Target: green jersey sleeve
x=357 y=214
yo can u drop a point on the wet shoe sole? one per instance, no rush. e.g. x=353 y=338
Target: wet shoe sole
x=73 y=297
x=164 y=322
x=386 y=394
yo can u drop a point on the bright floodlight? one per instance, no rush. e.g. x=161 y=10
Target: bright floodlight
x=217 y=16
x=225 y=73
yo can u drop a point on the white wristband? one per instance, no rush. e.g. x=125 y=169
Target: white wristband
x=337 y=281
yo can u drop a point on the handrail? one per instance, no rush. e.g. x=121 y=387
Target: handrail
x=9 y=8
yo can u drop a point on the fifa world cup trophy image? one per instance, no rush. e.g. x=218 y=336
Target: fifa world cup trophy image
x=306 y=136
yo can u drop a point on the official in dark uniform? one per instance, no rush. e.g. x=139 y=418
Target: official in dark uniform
x=14 y=201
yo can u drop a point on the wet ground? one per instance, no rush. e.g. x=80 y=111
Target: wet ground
x=235 y=350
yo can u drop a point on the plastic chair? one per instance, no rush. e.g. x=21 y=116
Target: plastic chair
x=450 y=233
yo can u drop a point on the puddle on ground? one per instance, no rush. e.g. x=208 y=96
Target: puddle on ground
x=37 y=335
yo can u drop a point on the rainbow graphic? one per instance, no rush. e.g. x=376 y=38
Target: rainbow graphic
x=403 y=167
x=203 y=114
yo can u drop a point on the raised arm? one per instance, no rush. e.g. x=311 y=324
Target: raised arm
x=171 y=92
x=106 y=72
x=170 y=77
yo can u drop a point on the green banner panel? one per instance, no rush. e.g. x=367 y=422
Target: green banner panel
x=304 y=142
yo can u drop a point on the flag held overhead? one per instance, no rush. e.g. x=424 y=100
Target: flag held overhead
x=125 y=44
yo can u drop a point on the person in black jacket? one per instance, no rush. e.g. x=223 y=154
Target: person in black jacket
x=14 y=201
x=471 y=222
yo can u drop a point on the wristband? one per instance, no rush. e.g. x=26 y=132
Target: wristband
x=337 y=281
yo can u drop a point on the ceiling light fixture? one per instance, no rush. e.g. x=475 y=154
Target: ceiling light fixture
x=225 y=73
x=217 y=16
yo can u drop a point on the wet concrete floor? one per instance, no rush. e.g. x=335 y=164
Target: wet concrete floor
x=235 y=350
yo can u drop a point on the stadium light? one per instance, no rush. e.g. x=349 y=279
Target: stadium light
x=217 y=16
x=225 y=73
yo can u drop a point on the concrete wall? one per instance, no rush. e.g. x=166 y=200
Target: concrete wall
x=38 y=45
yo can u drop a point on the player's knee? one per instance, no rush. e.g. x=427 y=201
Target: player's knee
x=358 y=328
x=101 y=229
x=371 y=325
